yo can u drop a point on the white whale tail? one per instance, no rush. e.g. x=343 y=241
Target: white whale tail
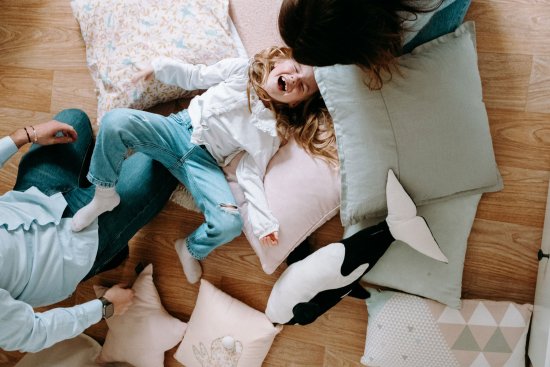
x=405 y=225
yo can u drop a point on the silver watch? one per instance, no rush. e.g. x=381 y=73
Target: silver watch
x=108 y=308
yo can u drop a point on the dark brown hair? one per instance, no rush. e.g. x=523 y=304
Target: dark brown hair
x=368 y=33
x=309 y=123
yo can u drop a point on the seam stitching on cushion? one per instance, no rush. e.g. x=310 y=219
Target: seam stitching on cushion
x=393 y=132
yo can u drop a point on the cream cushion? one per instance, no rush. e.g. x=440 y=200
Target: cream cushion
x=223 y=331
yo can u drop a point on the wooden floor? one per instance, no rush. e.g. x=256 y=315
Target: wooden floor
x=43 y=70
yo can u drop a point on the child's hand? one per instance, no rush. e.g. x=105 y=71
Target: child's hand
x=271 y=239
x=146 y=73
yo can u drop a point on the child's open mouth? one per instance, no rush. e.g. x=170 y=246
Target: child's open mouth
x=282 y=84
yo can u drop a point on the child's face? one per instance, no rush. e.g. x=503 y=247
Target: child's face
x=290 y=82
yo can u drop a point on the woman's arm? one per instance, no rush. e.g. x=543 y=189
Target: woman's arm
x=47 y=133
x=25 y=330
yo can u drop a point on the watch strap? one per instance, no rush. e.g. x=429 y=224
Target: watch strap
x=107 y=308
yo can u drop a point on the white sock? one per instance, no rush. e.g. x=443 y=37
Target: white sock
x=105 y=200
x=191 y=266
x=405 y=225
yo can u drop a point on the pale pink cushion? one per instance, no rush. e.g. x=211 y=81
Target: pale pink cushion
x=256 y=23
x=303 y=193
x=223 y=331
x=142 y=334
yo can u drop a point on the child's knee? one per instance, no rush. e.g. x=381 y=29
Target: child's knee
x=232 y=223
x=119 y=118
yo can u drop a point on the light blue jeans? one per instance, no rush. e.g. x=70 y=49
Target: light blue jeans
x=144 y=188
x=168 y=140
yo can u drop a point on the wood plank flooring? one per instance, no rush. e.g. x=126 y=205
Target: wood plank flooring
x=43 y=70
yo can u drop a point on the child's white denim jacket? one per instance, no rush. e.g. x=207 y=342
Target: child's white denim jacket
x=224 y=124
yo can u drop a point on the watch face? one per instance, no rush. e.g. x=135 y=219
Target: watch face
x=108 y=310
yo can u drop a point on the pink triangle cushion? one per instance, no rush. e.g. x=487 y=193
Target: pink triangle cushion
x=406 y=330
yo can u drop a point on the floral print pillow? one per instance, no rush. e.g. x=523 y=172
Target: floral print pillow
x=121 y=36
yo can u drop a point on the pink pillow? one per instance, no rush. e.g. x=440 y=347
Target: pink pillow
x=257 y=29
x=303 y=193
x=142 y=335
x=223 y=331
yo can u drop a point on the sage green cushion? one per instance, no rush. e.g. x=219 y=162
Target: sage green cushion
x=428 y=124
x=407 y=270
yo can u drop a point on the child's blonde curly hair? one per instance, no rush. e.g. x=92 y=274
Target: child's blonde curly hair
x=309 y=123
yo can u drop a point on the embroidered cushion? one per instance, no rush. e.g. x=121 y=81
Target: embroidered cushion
x=223 y=331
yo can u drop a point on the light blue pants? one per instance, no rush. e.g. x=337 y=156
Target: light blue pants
x=144 y=188
x=168 y=140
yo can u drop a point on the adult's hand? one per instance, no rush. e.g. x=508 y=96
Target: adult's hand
x=121 y=298
x=46 y=133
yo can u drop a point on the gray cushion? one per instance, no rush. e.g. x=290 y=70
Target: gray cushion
x=428 y=124
x=407 y=270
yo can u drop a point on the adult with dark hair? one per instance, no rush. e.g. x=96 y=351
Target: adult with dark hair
x=41 y=259
x=369 y=33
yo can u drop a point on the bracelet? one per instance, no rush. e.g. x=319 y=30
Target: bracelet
x=28 y=136
x=34 y=132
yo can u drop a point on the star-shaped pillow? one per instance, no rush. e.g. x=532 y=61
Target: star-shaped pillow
x=142 y=334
